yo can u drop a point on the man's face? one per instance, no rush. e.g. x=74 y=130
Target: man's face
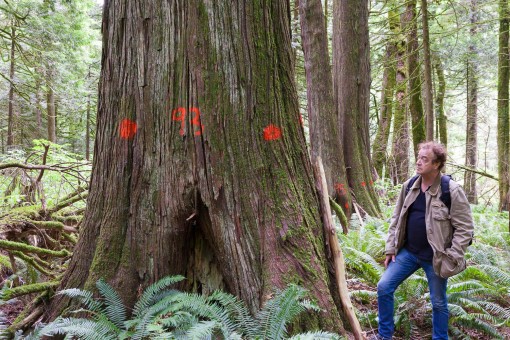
x=426 y=163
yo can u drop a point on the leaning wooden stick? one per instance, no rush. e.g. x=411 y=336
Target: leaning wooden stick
x=338 y=257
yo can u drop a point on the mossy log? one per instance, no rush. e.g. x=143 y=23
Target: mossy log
x=10 y=245
x=11 y=293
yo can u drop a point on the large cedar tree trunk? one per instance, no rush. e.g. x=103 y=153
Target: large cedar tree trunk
x=503 y=115
x=351 y=79
x=324 y=128
x=472 y=108
x=200 y=162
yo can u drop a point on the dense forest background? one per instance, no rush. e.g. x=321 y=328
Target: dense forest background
x=424 y=70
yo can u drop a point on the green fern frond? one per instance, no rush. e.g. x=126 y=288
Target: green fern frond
x=464 y=285
x=364 y=263
x=456 y=310
x=85 y=297
x=161 y=307
x=458 y=334
x=364 y=295
x=236 y=309
x=149 y=294
x=80 y=328
x=279 y=311
x=318 y=335
x=500 y=276
x=486 y=317
x=114 y=307
x=202 y=330
x=470 y=322
x=496 y=309
x=200 y=306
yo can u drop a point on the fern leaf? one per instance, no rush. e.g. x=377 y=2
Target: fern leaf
x=85 y=297
x=200 y=306
x=202 y=330
x=80 y=328
x=114 y=307
x=319 y=335
x=279 y=311
x=147 y=298
x=236 y=309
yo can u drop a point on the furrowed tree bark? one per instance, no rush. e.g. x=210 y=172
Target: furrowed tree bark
x=409 y=23
x=399 y=162
x=472 y=108
x=325 y=137
x=351 y=84
x=214 y=181
x=503 y=115
x=379 y=149
x=439 y=100
x=429 y=106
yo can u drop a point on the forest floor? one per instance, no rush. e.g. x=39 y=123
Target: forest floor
x=424 y=331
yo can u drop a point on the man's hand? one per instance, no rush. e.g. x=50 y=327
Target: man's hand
x=389 y=257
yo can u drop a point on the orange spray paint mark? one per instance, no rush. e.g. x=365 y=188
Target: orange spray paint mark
x=127 y=129
x=195 y=121
x=363 y=184
x=339 y=187
x=346 y=206
x=272 y=132
x=179 y=115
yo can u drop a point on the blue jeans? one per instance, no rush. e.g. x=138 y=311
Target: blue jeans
x=404 y=266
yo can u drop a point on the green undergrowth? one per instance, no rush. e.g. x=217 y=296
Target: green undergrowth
x=478 y=298
x=165 y=313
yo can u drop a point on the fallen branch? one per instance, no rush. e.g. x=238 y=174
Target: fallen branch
x=10 y=245
x=476 y=171
x=338 y=257
x=11 y=293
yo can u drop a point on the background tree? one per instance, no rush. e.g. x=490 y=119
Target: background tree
x=441 y=130
x=428 y=98
x=351 y=80
x=325 y=137
x=409 y=24
x=472 y=108
x=380 y=145
x=503 y=117
x=201 y=166
x=53 y=48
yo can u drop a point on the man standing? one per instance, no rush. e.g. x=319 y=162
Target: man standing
x=425 y=233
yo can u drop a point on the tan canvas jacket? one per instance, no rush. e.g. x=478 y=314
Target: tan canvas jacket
x=448 y=233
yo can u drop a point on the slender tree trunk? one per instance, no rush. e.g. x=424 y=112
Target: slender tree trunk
x=87 y=130
x=472 y=108
x=409 y=23
x=38 y=111
x=439 y=100
x=429 y=106
x=200 y=165
x=379 y=149
x=50 y=107
x=351 y=84
x=10 y=114
x=503 y=97
x=325 y=138
x=399 y=162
